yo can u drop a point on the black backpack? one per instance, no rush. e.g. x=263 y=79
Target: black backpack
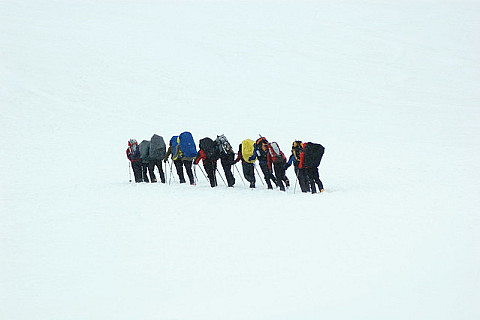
x=209 y=147
x=313 y=153
x=157 y=148
x=144 y=146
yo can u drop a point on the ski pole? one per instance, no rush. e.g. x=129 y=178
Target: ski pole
x=130 y=171
x=235 y=165
x=203 y=173
x=171 y=174
x=166 y=176
x=295 y=188
x=195 y=172
x=220 y=176
x=258 y=174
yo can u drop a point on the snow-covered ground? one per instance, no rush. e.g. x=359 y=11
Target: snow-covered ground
x=390 y=88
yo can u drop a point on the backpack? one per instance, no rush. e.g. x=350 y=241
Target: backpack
x=224 y=147
x=209 y=147
x=262 y=146
x=157 y=148
x=313 y=153
x=275 y=152
x=187 y=145
x=247 y=150
x=144 y=147
x=174 y=143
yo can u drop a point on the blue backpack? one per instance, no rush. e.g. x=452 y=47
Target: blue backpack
x=187 y=145
x=173 y=143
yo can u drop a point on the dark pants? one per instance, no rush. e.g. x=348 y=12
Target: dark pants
x=179 y=167
x=227 y=168
x=279 y=169
x=302 y=179
x=137 y=170
x=314 y=179
x=144 y=171
x=249 y=173
x=151 y=168
x=211 y=168
x=179 y=164
x=267 y=174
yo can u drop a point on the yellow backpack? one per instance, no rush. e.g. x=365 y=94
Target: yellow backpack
x=247 y=150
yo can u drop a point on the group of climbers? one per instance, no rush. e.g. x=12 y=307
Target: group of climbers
x=146 y=156
x=182 y=149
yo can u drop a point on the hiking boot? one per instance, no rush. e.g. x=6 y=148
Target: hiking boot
x=154 y=180
x=282 y=188
x=252 y=184
x=322 y=190
x=287 y=183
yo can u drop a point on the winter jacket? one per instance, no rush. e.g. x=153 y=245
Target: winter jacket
x=291 y=160
x=133 y=155
x=262 y=156
x=239 y=156
x=200 y=156
x=302 y=156
x=168 y=153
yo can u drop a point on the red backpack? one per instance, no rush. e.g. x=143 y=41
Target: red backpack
x=275 y=152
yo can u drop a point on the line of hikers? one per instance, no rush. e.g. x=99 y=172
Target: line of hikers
x=305 y=157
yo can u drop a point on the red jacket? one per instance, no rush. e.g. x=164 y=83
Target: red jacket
x=133 y=155
x=269 y=160
x=239 y=155
x=302 y=156
x=200 y=156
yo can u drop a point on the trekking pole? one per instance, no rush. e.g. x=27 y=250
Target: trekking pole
x=166 y=176
x=195 y=172
x=203 y=173
x=171 y=174
x=259 y=176
x=221 y=176
x=295 y=188
x=235 y=165
x=130 y=171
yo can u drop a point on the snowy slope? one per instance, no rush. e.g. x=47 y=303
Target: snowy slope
x=388 y=87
